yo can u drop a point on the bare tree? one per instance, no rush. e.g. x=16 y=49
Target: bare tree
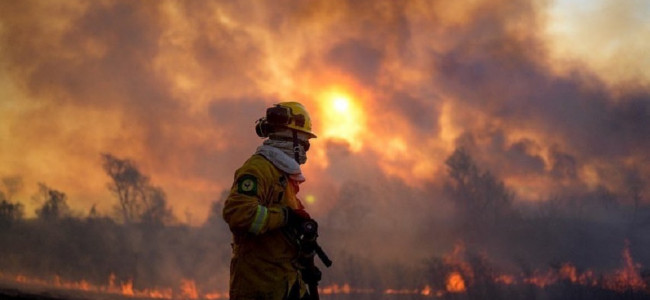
x=128 y=185
x=54 y=206
x=138 y=199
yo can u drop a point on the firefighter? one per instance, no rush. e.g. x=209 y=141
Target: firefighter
x=262 y=208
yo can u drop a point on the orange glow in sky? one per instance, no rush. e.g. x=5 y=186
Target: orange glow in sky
x=393 y=87
x=342 y=118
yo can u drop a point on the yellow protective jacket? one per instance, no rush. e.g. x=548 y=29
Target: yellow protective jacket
x=262 y=266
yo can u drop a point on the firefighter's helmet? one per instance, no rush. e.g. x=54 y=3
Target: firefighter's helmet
x=292 y=115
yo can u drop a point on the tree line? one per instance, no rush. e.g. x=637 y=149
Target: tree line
x=141 y=240
x=138 y=200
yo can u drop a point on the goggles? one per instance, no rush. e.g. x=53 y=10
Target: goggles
x=279 y=115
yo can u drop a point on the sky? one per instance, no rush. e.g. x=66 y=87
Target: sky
x=551 y=97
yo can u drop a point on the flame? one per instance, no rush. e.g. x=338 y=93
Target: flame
x=188 y=289
x=127 y=288
x=568 y=272
x=111 y=281
x=541 y=279
x=80 y=285
x=335 y=289
x=455 y=283
x=627 y=278
x=426 y=291
x=346 y=289
x=211 y=296
x=505 y=279
x=400 y=291
x=457 y=261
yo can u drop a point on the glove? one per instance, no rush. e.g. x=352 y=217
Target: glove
x=295 y=217
x=311 y=275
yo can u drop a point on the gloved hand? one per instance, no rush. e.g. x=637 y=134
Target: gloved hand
x=295 y=217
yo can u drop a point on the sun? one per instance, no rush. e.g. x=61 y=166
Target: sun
x=342 y=117
x=341 y=103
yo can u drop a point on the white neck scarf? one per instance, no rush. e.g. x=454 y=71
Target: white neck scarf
x=282 y=161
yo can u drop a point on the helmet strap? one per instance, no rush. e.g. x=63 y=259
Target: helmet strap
x=296 y=147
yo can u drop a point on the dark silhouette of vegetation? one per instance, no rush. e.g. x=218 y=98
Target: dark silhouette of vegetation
x=480 y=198
x=139 y=200
x=55 y=206
x=10 y=212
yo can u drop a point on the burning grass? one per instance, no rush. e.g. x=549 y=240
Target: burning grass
x=187 y=289
x=463 y=280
